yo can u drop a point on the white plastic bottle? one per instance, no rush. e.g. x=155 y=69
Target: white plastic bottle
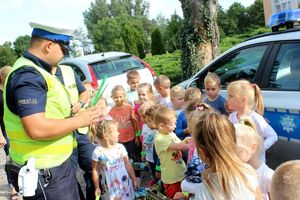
x=28 y=178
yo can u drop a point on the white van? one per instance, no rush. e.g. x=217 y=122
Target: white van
x=272 y=61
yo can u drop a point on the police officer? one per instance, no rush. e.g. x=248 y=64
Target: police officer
x=37 y=114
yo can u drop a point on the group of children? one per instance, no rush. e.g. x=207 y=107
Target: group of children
x=211 y=149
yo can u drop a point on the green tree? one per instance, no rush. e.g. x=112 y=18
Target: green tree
x=96 y=12
x=116 y=8
x=118 y=12
x=238 y=18
x=224 y=23
x=83 y=41
x=21 y=44
x=256 y=14
x=7 y=55
x=128 y=35
x=157 y=45
x=172 y=33
x=108 y=38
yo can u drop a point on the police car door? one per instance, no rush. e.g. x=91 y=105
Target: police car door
x=281 y=92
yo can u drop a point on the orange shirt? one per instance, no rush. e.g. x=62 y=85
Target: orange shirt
x=123 y=115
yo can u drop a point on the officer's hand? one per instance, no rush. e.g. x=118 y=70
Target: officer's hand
x=2 y=141
x=76 y=107
x=87 y=117
x=97 y=192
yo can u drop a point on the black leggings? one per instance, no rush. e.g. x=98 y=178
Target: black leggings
x=134 y=151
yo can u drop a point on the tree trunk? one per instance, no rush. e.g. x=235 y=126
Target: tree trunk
x=200 y=34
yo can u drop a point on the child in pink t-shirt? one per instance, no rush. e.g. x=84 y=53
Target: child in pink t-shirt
x=145 y=93
x=123 y=113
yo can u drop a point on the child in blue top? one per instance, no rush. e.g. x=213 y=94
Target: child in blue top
x=212 y=85
x=181 y=130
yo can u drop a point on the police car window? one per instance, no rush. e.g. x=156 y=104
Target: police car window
x=79 y=72
x=241 y=64
x=286 y=68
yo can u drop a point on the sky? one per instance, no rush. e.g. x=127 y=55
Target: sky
x=16 y=14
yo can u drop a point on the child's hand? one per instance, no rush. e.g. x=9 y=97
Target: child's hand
x=157 y=175
x=137 y=141
x=97 y=191
x=186 y=140
x=186 y=131
x=143 y=158
x=179 y=195
x=135 y=184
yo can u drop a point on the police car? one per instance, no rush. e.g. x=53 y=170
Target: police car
x=272 y=61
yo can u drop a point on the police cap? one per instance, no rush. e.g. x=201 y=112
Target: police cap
x=53 y=33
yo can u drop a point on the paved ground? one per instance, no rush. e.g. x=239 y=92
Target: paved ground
x=4 y=192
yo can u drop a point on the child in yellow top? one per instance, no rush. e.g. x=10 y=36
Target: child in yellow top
x=168 y=148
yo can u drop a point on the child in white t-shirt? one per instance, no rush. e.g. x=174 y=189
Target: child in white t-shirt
x=226 y=176
x=148 y=133
x=177 y=98
x=133 y=80
x=113 y=175
x=249 y=147
x=162 y=84
x=245 y=100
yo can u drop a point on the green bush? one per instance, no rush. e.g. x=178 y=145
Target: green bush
x=167 y=64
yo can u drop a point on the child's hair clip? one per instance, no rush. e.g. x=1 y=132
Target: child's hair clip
x=200 y=108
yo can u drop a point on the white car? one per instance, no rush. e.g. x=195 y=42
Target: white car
x=114 y=65
x=272 y=61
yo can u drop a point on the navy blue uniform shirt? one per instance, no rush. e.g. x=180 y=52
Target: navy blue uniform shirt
x=26 y=92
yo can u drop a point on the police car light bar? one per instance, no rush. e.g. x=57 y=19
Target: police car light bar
x=287 y=18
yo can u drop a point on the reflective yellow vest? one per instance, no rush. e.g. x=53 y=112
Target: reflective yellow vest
x=70 y=82
x=70 y=85
x=48 y=153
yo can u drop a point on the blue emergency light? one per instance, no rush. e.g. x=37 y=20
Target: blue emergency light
x=287 y=18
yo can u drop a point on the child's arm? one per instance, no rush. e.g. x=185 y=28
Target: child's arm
x=95 y=176
x=143 y=154
x=180 y=146
x=181 y=127
x=135 y=124
x=130 y=171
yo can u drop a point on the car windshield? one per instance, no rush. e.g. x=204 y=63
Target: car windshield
x=115 y=66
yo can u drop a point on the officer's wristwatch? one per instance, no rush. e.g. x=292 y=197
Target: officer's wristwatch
x=82 y=103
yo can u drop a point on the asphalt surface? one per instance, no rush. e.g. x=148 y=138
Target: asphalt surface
x=4 y=189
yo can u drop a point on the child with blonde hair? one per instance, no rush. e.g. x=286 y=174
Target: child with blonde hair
x=162 y=84
x=177 y=98
x=249 y=146
x=191 y=94
x=226 y=176
x=133 y=80
x=212 y=85
x=123 y=113
x=148 y=134
x=245 y=100
x=113 y=175
x=168 y=148
x=195 y=166
x=145 y=93
x=286 y=181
